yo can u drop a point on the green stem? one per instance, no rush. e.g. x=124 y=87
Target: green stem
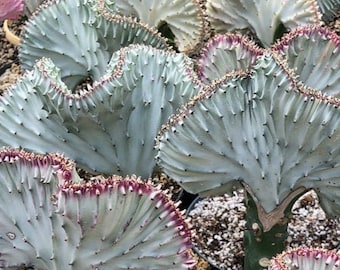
x=260 y=246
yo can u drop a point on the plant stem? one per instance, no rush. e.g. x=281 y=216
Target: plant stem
x=261 y=246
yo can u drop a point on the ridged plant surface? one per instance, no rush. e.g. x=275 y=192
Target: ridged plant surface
x=226 y=53
x=184 y=18
x=109 y=128
x=50 y=220
x=313 y=53
x=79 y=39
x=306 y=258
x=263 y=18
x=261 y=129
x=329 y=9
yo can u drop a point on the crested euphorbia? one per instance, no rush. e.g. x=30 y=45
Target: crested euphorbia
x=184 y=19
x=262 y=127
x=226 y=53
x=53 y=219
x=135 y=88
x=108 y=128
x=313 y=53
x=254 y=124
x=82 y=51
x=267 y=20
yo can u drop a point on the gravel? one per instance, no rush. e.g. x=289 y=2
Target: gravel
x=219 y=223
x=9 y=69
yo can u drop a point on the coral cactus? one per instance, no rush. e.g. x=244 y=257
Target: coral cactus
x=109 y=128
x=11 y=9
x=312 y=52
x=262 y=129
x=225 y=53
x=262 y=137
x=263 y=18
x=83 y=50
x=184 y=18
x=265 y=120
x=306 y=258
x=59 y=221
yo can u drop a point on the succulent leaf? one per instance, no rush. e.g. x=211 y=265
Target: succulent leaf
x=313 y=52
x=261 y=129
x=306 y=258
x=109 y=128
x=226 y=53
x=56 y=223
x=79 y=39
x=183 y=17
x=126 y=224
x=261 y=17
x=27 y=187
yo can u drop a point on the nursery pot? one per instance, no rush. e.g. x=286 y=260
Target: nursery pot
x=10 y=36
x=215 y=220
x=196 y=250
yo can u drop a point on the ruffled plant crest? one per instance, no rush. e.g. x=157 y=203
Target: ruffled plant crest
x=184 y=19
x=265 y=19
x=264 y=131
x=109 y=128
x=53 y=219
x=224 y=54
x=268 y=123
x=79 y=39
x=313 y=53
x=306 y=258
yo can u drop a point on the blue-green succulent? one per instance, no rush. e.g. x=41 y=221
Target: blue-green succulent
x=269 y=124
x=53 y=219
x=251 y=111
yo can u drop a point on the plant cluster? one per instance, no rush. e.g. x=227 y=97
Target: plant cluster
x=256 y=107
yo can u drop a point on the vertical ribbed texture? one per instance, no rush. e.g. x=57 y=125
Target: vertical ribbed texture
x=261 y=129
x=52 y=220
x=184 y=18
x=80 y=40
x=263 y=18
